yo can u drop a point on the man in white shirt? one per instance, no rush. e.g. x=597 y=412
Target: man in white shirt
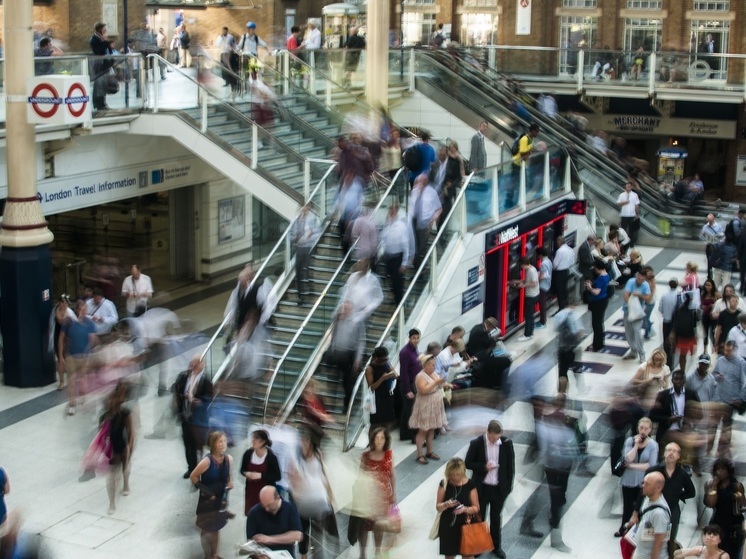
x=564 y=258
x=365 y=232
x=530 y=285
x=227 y=45
x=395 y=247
x=250 y=42
x=629 y=204
x=102 y=312
x=304 y=234
x=137 y=289
x=425 y=209
x=313 y=37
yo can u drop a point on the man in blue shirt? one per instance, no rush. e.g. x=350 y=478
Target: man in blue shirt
x=636 y=292
x=274 y=523
x=427 y=157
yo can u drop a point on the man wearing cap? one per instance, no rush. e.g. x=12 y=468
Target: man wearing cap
x=250 y=41
x=730 y=374
x=704 y=384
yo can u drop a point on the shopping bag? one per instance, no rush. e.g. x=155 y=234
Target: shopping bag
x=635 y=309
x=392 y=522
x=475 y=537
x=99 y=452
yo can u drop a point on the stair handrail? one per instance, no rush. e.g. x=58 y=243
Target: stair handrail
x=307 y=371
x=460 y=198
x=268 y=258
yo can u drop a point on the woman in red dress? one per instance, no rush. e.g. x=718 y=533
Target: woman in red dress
x=378 y=462
x=260 y=467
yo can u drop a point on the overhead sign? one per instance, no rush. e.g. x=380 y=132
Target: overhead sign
x=62 y=194
x=659 y=126
x=58 y=99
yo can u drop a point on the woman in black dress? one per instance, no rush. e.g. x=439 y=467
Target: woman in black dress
x=456 y=500
x=724 y=494
x=380 y=377
x=212 y=477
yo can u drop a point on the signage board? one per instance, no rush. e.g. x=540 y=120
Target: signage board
x=472 y=275
x=660 y=126
x=58 y=99
x=471 y=298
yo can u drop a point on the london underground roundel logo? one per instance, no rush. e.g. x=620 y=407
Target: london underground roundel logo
x=37 y=100
x=72 y=101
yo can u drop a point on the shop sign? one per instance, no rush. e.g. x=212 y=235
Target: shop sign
x=659 y=126
x=471 y=298
x=62 y=194
x=58 y=100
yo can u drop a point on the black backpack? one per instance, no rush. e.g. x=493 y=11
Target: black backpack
x=517 y=144
x=413 y=158
x=184 y=39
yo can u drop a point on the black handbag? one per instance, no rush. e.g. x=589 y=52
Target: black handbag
x=112 y=85
x=619 y=467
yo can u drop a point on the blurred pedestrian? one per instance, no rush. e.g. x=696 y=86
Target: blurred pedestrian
x=457 y=499
x=311 y=406
x=364 y=235
x=730 y=374
x=312 y=494
x=78 y=338
x=305 y=233
x=348 y=205
x=122 y=437
x=346 y=348
x=99 y=44
x=428 y=412
x=569 y=335
x=478 y=154
x=260 y=467
x=137 y=289
x=5 y=485
x=61 y=314
x=102 y=312
x=212 y=478
x=703 y=383
x=355 y=45
x=185 y=40
x=377 y=461
x=395 y=244
x=424 y=211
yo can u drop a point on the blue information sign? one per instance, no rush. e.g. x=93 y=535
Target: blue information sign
x=472 y=276
x=471 y=298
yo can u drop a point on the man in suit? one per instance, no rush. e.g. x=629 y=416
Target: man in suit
x=585 y=259
x=492 y=461
x=478 y=155
x=675 y=410
x=192 y=395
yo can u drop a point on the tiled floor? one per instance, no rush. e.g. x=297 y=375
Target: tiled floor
x=42 y=455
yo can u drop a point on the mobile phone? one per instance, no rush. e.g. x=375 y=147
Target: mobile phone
x=643 y=437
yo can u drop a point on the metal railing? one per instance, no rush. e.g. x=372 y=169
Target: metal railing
x=429 y=265
x=310 y=366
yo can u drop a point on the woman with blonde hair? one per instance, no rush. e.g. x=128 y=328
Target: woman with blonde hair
x=457 y=498
x=651 y=377
x=212 y=477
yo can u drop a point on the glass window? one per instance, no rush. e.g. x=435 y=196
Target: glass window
x=711 y=6
x=478 y=29
x=579 y=3
x=645 y=4
x=644 y=32
x=418 y=27
x=708 y=39
x=576 y=33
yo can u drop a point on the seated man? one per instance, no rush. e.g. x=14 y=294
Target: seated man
x=274 y=523
x=490 y=370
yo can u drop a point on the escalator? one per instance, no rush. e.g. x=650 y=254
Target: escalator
x=473 y=94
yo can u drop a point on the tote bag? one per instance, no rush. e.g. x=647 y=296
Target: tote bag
x=475 y=537
x=635 y=310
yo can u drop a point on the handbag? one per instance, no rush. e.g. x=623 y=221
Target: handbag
x=369 y=401
x=635 y=310
x=100 y=451
x=475 y=537
x=435 y=528
x=619 y=467
x=392 y=522
x=111 y=84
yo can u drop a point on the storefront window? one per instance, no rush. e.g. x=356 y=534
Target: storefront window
x=417 y=27
x=579 y=3
x=708 y=39
x=478 y=29
x=643 y=32
x=576 y=33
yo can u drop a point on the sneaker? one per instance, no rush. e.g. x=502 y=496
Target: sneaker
x=525 y=338
x=630 y=355
x=642 y=358
x=539 y=326
x=71 y=410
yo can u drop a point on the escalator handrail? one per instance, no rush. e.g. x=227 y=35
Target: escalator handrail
x=307 y=371
x=550 y=129
x=400 y=307
x=278 y=245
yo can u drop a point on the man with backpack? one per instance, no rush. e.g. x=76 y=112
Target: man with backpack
x=654 y=527
x=250 y=41
x=523 y=146
x=419 y=156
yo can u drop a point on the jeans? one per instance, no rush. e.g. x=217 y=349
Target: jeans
x=543 y=298
x=647 y=323
x=557 y=481
x=528 y=313
x=598 y=315
x=559 y=284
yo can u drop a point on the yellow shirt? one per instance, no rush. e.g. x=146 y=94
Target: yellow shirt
x=525 y=145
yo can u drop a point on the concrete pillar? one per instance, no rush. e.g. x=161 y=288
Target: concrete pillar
x=25 y=260
x=377 y=53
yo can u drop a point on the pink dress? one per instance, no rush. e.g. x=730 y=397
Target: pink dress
x=428 y=411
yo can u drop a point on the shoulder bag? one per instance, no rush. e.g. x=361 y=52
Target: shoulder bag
x=635 y=310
